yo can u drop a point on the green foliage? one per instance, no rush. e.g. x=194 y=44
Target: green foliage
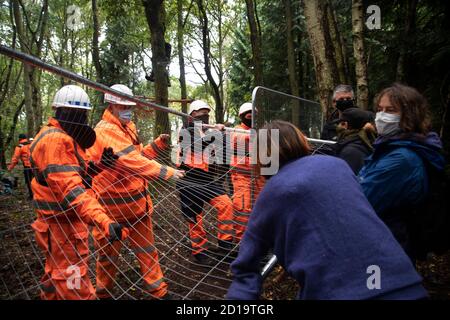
x=126 y=56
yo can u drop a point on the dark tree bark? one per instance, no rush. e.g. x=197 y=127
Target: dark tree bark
x=338 y=46
x=255 y=39
x=292 y=62
x=407 y=40
x=155 y=14
x=95 y=43
x=31 y=42
x=180 y=38
x=206 y=43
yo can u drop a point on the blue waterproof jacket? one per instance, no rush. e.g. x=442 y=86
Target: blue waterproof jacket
x=395 y=178
x=395 y=174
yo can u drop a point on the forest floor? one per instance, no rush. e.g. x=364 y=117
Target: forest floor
x=21 y=262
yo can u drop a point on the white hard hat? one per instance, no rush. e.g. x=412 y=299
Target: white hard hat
x=197 y=105
x=117 y=100
x=72 y=96
x=245 y=108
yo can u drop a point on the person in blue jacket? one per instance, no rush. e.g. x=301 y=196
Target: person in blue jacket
x=314 y=217
x=395 y=177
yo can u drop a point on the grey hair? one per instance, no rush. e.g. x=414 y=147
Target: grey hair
x=343 y=88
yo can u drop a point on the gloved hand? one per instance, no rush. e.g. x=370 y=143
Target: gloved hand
x=178 y=174
x=165 y=138
x=109 y=158
x=116 y=232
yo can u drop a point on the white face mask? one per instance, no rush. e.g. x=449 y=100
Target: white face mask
x=387 y=123
x=126 y=115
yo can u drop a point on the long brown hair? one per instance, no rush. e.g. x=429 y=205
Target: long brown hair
x=415 y=114
x=292 y=142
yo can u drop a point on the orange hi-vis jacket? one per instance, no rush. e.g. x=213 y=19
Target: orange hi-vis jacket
x=63 y=207
x=58 y=164
x=122 y=189
x=240 y=158
x=22 y=153
x=187 y=155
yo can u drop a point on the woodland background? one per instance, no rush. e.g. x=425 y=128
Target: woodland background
x=219 y=50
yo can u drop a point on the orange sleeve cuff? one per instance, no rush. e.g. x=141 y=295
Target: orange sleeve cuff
x=170 y=173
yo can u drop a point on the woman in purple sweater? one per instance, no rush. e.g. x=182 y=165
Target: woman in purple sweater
x=315 y=218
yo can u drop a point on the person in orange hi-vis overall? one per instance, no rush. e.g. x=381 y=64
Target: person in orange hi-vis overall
x=241 y=173
x=22 y=153
x=62 y=200
x=122 y=191
x=200 y=185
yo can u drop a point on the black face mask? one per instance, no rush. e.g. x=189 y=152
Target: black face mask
x=203 y=118
x=74 y=123
x=342 y=105
x=247 y=122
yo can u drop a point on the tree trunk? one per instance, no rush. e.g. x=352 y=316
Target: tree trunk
x=220 y=53
x=315 y=17
x=291 y=63
x=407 y=40
x=155 y=14
x=97 y=112
x=31 y=45
x=338 y=48
x=5 y=142
x=360 y=54
x=28 y=70
x=206 y=42
x=95 y=43
x=180 y=43
x=255 y=38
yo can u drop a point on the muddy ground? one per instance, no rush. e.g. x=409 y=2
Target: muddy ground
x=21 y=262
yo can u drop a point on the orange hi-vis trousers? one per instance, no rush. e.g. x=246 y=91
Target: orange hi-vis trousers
x=66 y=248
x=141 y=241
x=243 y=199
x=197 y=233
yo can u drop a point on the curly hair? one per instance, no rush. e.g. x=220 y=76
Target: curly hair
x=413 y=106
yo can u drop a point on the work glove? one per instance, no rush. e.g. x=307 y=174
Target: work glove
x=165 y=138
x=92 y=171
x=178 y=174
x=116 y=232
x=109 y=158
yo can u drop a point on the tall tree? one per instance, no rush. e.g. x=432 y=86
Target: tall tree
x=95 y=42
x=407 y=39
x=362 y=89
x=155 y=14
x=31 y=32
x=255 y=38
x=180 y=43
x=337 y=44
x=315 y=19
x=295 y=90
x=206 y=46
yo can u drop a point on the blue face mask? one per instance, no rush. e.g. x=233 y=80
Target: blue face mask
x=126 y=115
